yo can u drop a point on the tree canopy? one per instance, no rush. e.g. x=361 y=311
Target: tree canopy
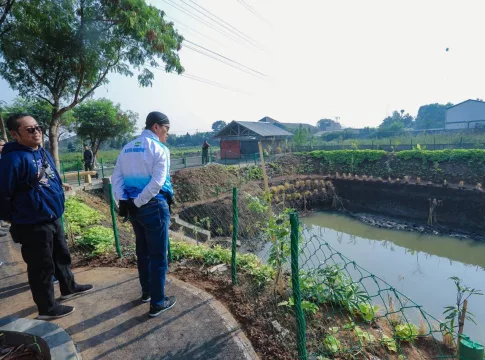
x=100 y=120
x=399 y=120
x=328 y=124
x=218 y=125
x=431 y=116
x=62 y=51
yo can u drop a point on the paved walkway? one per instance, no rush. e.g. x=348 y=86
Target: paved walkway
x=112 y=323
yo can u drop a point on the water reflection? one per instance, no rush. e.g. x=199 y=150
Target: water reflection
x=417 y=265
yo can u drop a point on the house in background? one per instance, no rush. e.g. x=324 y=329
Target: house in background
x=468 y=114
x=292 y=127
x=241 y=138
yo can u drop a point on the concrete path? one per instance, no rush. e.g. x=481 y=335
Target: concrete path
x=112 y=323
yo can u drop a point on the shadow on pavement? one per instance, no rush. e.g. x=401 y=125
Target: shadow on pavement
x=127 y=325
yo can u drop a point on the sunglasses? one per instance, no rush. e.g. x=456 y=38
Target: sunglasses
x=32 y=130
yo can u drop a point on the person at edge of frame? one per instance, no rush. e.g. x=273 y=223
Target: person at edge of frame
x=32 y=200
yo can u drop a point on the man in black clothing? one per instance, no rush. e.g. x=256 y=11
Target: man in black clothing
x=32 y=199
x=88 y=158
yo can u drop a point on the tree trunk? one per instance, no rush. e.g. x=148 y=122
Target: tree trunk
x=53 y=143
x=2 y=127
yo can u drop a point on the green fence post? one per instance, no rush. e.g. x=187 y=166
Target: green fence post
x=295 y=284
x=113 y=217
x=170 y=259
x=63 y=172
x=78 y=175
x=235 y=220
x=254 y=157
x=461 y=142
x=411 y=143
x=102 y=168
x=185 y=160
x=210 y=155
x=434 y=142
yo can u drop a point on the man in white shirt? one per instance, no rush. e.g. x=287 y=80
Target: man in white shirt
x=141 y=183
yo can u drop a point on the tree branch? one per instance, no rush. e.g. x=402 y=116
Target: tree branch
x=45 y=99
x=7 y=9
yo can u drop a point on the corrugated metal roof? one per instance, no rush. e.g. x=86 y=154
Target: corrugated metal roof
x=264 y=129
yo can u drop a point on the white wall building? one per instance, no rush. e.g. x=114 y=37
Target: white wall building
x=465 y=115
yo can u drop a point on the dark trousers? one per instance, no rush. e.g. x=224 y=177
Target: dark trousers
x=150 y=225
x=45 y=251
x=88 y=166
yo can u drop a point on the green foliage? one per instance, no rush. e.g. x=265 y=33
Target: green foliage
x=99 y=120
x=65 y=60
x=454 y=313
x=431 y=116
x=349 y=157
x=253 y=173
x=365 y=338
x=218 y=255
x=389 y=343
x=456 y=155
x=367 y=311
x=97 y=239
x=307 y=306
x=79 y=216
x=218 y=125
x=332 y=285
x=406 y=332
x=332 y=344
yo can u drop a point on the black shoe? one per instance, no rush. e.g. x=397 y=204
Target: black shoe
x=58 y=312
x=79 y=290
x=156 y=310
x=145 y=297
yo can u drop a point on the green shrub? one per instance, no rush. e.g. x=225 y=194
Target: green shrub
x=218 y=255
x=97 y=240
x=349 y=157
x=79 y=215
x=406 y=332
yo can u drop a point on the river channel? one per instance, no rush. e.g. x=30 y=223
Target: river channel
x=417 y=265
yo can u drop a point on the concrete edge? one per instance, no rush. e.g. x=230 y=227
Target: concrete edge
x=231 y=324
x=60 y=343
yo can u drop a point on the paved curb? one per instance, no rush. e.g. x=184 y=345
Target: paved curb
x=60 y=343
x=231 y=324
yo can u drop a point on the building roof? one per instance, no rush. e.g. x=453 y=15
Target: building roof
x=264 y=129
x=478 y=101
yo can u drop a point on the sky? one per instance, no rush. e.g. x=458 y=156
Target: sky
x=352 y=59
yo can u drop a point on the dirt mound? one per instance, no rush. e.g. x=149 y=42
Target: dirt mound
x=206 y=182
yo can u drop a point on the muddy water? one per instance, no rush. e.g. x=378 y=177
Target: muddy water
x=416 y=265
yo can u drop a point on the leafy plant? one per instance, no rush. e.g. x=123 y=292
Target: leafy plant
x=367 y=311
x=389 y=343
x=332 y=344
x=406 y=332
x=364 y=337
x=79 y=215
x=97 y=240
x=463 y=293
x=307 y=306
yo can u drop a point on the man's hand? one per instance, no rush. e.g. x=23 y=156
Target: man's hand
x=67 y=187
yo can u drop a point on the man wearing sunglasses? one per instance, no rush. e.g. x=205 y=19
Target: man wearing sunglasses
x=32 y=199
x=141 y=183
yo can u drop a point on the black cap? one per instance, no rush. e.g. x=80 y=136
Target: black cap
x=156 y=117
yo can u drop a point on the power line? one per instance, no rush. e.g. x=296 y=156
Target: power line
x=226 y=58
x=224 y=24
x=185 y=11
x=206 y=81
x=194 y=31
x=252 y=10
x=223 y=61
